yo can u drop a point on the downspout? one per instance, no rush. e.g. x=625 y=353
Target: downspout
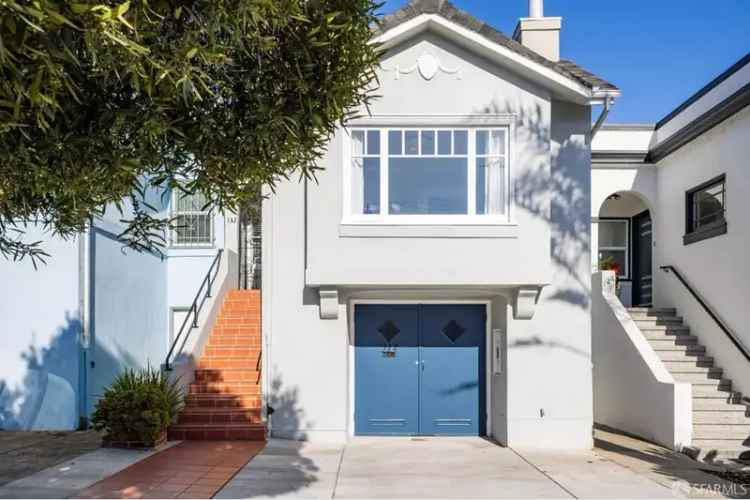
x=608 y=103
x=84 y=304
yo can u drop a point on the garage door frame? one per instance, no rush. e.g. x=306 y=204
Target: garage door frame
x=488 y=351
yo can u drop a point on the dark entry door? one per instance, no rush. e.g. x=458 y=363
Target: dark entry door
x=642 y=249
x=420 y=369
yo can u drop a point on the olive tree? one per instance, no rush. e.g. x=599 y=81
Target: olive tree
x=103 y=100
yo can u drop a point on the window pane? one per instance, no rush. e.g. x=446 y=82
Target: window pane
x=483 y=142
x=358 y=142
x=411 y=141
x=395 y=143
x=708 y=205
x=427 y=186
x=365 y=189
x=444 y=142
x=613 y=234
x=613 y=260
x=490 y=186
x=373 y=142
x=428 y=142
x=497 y=142
x=460 y=142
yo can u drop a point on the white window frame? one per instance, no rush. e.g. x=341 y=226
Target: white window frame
x=626 y=272
x=471 y=124
x=173 y=212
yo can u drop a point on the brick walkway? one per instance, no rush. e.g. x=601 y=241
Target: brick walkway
x=192 y=469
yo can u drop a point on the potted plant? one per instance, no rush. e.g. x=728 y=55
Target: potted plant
x=137 y=409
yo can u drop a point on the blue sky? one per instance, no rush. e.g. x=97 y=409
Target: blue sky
x=659 y=52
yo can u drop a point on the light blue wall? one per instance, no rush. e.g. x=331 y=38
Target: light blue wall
x=40 y=328
x=129 y=311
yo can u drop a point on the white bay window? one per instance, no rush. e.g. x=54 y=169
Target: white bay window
x=428 y=174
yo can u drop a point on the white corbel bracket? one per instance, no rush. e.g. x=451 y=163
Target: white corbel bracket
x=329 y=303
x=524 y=302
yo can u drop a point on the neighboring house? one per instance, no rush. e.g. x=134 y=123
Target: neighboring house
x=436 y=278
x=669 y=205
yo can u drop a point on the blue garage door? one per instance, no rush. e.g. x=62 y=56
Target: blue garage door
x=419 y=369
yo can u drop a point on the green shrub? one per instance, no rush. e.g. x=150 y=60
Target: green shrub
x=138 y=406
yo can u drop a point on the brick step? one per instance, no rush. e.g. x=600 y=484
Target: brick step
x=736 y=417
x=234 y=341
x=248 y=363
x=223 y=401
x=236 y=327
x=239 y=389
x=667 y=320
x=673 y=340
x=231 y=352
x=243 y=293
x=241 y=315
x=227 y=375
x=682 y=352
x=220 y=416
x=695 y=365
x=218 y=432
x=721 y=431
x=698 y=377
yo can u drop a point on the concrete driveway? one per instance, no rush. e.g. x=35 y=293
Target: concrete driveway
x=436 y=468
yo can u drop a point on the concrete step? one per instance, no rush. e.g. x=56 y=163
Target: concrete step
x=715 y=404
x=737 y=417
x=666 y=320
x=657 y=332
x=698 y=376
x=682 y=353
x=668 y=311
x=695 y=365
x=721 y=447
x=721 y=431
x=688 y=363
x=673 y=340
x=716 y=391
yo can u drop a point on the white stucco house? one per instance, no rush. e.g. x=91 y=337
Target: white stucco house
x=441 y=275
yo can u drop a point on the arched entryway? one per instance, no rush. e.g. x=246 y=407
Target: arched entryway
x=623 y=240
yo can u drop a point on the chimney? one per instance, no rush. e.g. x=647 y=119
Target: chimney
x=540 y=34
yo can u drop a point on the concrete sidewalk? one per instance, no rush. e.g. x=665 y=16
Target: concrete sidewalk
x=457 y=468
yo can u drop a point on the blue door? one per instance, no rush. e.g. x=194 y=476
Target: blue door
x=420 y=369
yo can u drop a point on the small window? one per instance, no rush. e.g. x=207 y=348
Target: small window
x=614 y=246
x=193 y=224
x=705 y=208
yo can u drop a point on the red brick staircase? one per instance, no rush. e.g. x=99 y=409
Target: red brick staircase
x=224 y=401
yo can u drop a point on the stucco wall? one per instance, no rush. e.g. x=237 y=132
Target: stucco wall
x=40 y=327
x=129 y=311
x=715 y=267
x=333 y=259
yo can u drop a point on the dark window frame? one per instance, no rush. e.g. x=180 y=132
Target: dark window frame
x=711 y=230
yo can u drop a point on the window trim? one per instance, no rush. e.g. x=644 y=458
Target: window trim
x=626 y=276
x=709 y=230
x=174 y=213
x=471 y=124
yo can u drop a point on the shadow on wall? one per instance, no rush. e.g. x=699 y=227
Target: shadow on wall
x=561 y=198
x=47 y=399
